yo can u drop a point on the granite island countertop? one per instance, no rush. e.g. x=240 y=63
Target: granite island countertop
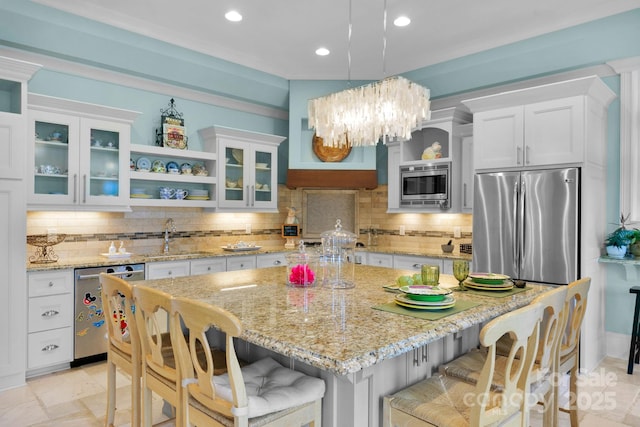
x=332 y=329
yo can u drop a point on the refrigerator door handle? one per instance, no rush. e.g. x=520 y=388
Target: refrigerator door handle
x=521 y=225
x=516 y=244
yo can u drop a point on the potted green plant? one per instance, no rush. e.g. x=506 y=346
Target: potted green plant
x=617 y=242
x=634 y=247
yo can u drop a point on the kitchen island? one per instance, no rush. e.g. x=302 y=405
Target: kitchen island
x=361 y=353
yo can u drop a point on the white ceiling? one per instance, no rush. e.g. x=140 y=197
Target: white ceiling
x=280 y=36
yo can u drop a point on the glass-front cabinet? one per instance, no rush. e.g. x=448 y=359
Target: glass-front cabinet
x=249 y=178
x=248 y=174
x=77 y=162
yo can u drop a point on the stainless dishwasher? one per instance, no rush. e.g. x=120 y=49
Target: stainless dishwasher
x=90 y=332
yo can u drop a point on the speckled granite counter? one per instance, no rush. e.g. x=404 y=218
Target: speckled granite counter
x=416 y=252
x=334 y=330
x=98 y=261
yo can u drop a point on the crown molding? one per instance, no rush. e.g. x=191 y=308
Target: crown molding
x=123 y=79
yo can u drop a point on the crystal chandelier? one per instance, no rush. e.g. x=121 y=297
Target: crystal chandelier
x=361 y=116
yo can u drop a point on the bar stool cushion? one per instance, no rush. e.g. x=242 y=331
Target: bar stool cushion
x=440 y=400
x=469 y=366
x=272 y=387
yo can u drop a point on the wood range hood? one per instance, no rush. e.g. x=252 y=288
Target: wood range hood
x=334 y=179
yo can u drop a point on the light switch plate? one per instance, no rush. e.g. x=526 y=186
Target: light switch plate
x=247 y=228
x=456 y=232
x=402 y=230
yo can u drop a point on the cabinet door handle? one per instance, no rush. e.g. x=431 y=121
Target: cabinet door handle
x=50 y=347
x=519 y=155
x=75 y=188
x=464 y=195
x=50 y=313
x=84 y=193
x=253 y=195
x=526 y=155
x=277 y=262
x=248 y=195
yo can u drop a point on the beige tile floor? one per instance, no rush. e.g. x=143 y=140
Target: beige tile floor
x=77 y=398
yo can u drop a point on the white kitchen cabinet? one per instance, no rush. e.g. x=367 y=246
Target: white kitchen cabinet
x=14 y=76
x=271 y=260
x=208 y=265
x=380 y=260
x=532 y=127
x=78 y=155
x=164 y=269
x=50 y=320
x=411 y=262
x=149 y=182
x=466 y=168
x=241 y=262
x=247 y=170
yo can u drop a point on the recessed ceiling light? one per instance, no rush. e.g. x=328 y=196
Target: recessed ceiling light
x=401 y=21
x=233 y=16
x=322 y=51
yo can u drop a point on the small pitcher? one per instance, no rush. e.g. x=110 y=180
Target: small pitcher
x=180 y=193
x=166 y=192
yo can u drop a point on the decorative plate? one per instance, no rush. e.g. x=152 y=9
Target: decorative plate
x=425 y=293
x=447 y=300
x=471 y=284
x=237 y=154
x=158 y=166
x=488 y=278
x=424 y=307
x=329 y=154
x=185 y=168
x=173 y=167
x=143 y=164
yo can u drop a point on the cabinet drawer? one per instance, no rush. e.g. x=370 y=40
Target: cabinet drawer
x=50 y=348
x=405 y=262
x=380 y=260
x=209 y=265
x=270 y=260
x=160 y=270
x=50 y=312
x=50 y=282
x=244 y=262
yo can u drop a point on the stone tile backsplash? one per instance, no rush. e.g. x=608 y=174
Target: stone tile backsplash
x=142 y=229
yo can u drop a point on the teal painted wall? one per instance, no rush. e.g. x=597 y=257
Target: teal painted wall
x=31 y=27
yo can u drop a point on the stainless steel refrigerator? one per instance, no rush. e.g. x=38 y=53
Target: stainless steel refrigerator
x=525 y=224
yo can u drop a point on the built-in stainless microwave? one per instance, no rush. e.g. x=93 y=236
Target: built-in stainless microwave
x=426 y=185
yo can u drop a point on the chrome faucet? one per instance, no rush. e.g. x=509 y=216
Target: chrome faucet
x=169 y=226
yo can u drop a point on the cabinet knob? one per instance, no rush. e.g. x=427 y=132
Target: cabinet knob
x=277 y=262
x=209 y=268
x=169 y=272
x=50 y=313
x=50 y=284
x=241 y=265
x=50 y=347
x=417 y=266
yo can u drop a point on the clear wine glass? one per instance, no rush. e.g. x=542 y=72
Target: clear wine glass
x=460 y=271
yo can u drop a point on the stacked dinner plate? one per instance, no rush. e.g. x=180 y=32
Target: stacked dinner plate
x=488 y=282
x=423 y=297
x=198 y=195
